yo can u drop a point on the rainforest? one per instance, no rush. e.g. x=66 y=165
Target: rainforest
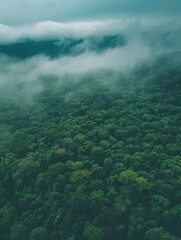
x=90 y=129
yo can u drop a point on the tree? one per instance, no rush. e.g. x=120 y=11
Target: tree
x=18 y=232
x=132 y=179
x=158 y=234
x=80 y=175
x=27 y=170
x=39 y=233
x=92 y=232
x=7 y=214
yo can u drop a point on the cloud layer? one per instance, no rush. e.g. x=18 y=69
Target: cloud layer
x=145 y=38
x=58 y=30
x=76 y=38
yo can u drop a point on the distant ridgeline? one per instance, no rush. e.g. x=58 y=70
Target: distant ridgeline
x=62 y=47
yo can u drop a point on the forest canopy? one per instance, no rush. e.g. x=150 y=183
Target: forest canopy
x=91 y=156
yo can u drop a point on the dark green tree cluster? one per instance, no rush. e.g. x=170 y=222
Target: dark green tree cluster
x=95 y=158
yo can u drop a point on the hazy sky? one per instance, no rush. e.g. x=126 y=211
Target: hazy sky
x=19 y=12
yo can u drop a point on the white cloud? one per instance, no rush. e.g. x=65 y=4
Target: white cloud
x=58 y=30
x=52 y=30
x=117 y=59
x=146 y=37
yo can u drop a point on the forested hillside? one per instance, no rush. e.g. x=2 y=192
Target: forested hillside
x=61 y=47
x=93 y=157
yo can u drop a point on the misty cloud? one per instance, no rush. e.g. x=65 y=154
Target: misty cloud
x=113 y=59
x=73 y=38
x=58 y=30
x=144 y=39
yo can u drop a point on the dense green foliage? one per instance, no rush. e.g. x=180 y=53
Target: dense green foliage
x=94 y=158
x=61 y=47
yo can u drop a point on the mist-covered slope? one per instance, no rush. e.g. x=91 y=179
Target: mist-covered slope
x=91 y=156
x=146 y=36
x=61 y=47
